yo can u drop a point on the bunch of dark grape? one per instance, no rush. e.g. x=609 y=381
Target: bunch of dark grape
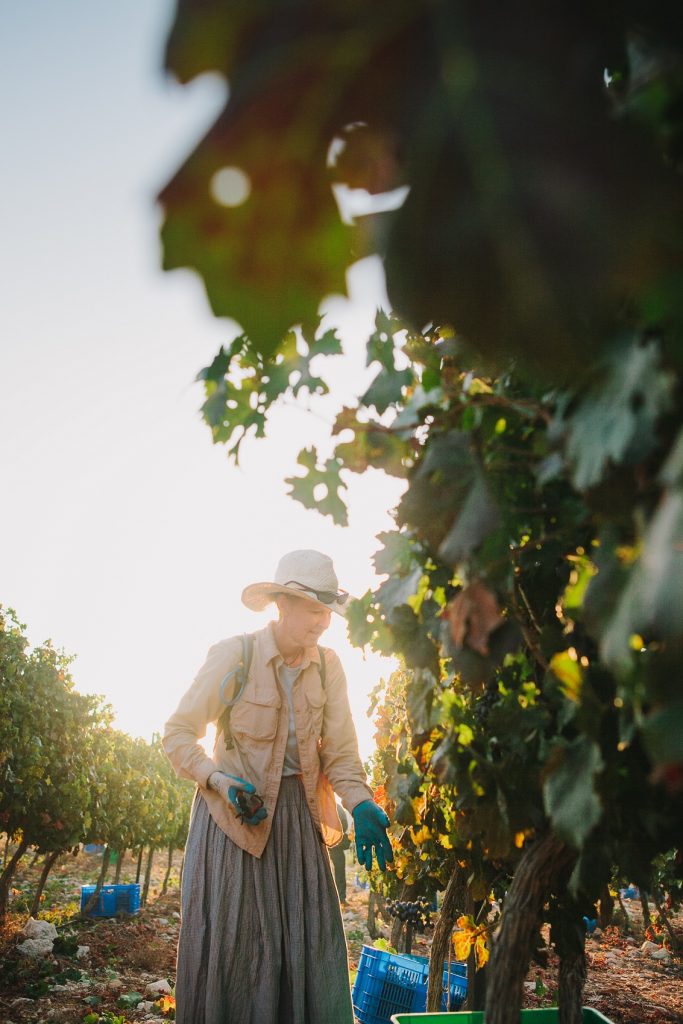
x=416 y=914
x=484 y=703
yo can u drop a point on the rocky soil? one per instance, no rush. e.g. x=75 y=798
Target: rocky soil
x=121 y=970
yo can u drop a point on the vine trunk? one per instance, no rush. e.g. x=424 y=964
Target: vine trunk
x=451 y=907
x=538 y=872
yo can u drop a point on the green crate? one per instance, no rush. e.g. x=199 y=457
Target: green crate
x=548 y=1015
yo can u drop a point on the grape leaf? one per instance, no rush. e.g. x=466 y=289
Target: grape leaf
x=568 y=792
x=374 y=447
x=616 y=420
x=439 y=486
x=241 y=383
x=653 y=595
x=397 y=554
x=397 y=590
x=325 y=478
x=663 y=733
x=387 y=388
x=477 y=518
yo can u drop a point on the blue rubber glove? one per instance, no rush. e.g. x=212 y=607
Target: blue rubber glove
x=219 y=781
x=370 y=825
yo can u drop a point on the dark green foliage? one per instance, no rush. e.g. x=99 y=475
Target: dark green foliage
x=570 y=798
x=241 y=383
x=533 y=213
x=66 y=775
x=535 y=578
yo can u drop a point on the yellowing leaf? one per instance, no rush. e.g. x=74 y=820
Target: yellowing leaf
x=465 y=735
x=481 y=950
x=627 y=554
x=418 y=804
x=420 y=835
x=470 y=936
x=479 y=387
x=462 y=944
x=568 y=671
x=519 y=840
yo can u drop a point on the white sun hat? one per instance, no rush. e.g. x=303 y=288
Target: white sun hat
x=307 y=574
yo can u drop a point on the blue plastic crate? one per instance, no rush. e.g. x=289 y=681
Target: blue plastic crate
x=112 y=900
x=388 y=983
x=631 y=892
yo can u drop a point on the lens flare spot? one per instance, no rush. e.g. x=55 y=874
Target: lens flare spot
x=230 y=186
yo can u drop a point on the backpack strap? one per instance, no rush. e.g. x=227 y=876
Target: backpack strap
x=240 y=673
x=322 y=668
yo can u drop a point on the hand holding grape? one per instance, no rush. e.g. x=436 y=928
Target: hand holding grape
x=242 y=798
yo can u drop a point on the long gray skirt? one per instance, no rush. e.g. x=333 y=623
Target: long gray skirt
x=261 y=939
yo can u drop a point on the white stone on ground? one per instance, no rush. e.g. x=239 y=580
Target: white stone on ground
x=36 y=947
x=39 y=936
x=158 y=988
x=34 y=929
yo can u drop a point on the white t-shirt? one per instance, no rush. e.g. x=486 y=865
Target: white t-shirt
x=292 y=765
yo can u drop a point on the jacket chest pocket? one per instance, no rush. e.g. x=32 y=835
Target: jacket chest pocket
x=315 y=702
x=255 y=720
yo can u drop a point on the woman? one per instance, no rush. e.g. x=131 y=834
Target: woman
x=261 y=939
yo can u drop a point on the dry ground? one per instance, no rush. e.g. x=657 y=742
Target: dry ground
x=126 y=954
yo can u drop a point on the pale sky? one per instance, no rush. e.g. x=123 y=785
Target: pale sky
x=127 y=537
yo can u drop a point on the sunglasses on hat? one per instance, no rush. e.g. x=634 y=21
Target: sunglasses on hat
x=324 y=596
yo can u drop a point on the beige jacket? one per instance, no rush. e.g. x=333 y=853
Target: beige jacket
x=328 y=747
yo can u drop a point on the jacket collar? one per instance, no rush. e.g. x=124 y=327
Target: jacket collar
x=266 y=638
